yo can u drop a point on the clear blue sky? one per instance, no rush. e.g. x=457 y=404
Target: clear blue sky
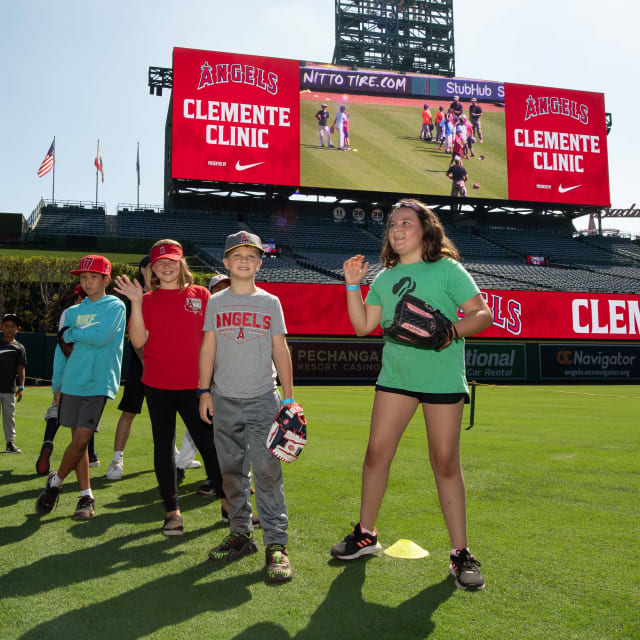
x=77 y=69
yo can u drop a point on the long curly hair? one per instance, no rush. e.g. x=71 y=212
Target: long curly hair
x=435 y=243
x=185 y=278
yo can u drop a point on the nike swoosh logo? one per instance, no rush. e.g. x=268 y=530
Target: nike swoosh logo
x=562 y=189
x=244 y=167
x=85 y=326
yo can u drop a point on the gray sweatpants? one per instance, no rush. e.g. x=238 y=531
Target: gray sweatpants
x=238 y=423
x=8 y=409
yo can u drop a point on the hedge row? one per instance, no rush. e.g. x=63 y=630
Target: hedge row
x=38 y=288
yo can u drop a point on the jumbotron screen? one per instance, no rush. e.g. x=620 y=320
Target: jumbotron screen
x=270 y=121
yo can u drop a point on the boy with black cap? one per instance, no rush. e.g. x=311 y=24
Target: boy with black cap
x=244 y=346
x=13 y=360
x=84 y=380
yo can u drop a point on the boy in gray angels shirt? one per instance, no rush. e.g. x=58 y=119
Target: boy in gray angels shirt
x=244 y=346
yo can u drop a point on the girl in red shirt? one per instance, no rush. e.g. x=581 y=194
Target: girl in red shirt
x=167 y=321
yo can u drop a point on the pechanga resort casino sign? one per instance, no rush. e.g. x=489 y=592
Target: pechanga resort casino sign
x=251 y=120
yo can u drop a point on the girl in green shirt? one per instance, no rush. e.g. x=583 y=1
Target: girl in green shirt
x=419 y=259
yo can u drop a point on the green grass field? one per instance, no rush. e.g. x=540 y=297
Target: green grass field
x=553 y=486
x=391 y=157
x=76 y=254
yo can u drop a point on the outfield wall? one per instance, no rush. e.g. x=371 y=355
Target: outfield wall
x=322 y=360
x=343 y=361
x=321 y=310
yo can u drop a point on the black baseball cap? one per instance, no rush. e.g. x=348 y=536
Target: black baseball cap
x=12 y=317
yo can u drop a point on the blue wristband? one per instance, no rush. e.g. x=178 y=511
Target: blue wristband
x=353 y=287
x=21 y=387
x=199 y=392
x=287 y=401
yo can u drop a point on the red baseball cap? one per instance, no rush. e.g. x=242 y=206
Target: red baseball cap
x=165 y=252
x=93 y=264
x=79 y=291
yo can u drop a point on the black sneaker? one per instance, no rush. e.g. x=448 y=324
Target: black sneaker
x=234 y=546
x=356 y=544
x=42 y=463
x=206 y=489
x=85 y=509
x=11 y=448
x=48 y=499
x=277 y=566
x=464 y=568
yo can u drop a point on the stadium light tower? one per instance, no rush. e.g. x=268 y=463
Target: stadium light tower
x=159 y=78
x=406 y=35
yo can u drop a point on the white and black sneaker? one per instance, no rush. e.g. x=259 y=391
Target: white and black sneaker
x=464 y=568
x=48 y=499
x=356 y=544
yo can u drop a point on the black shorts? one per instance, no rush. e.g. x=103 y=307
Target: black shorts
x=133 y=394
x=81 y=411
x=428 y=398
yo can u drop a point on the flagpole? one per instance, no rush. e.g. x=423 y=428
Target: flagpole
x=53 y=188
x=138 y=174
x=97 y=163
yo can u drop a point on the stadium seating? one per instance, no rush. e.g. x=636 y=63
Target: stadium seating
x=314 y=248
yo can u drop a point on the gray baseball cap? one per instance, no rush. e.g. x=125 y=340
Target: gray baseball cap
x=243 y=239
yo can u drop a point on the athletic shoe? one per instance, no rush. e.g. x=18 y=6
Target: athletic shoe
x=180 y=474
x=85 y=509
x=464 y=568
x=233 y=547
x=277 y=566
x=356 y=544
x=48 y=499
x=173 y=526
x=11 y=448
x=116 y=467
x=206 y=489
x=94 y=461
x=42 y=463
x=194 y=464
x=224 y=516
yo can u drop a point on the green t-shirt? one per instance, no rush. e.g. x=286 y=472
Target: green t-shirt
x=445 y=285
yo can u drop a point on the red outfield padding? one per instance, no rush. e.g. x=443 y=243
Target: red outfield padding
x=321 y=309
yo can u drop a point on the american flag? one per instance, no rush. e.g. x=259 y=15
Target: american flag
x=49 y=160
x=98 y=163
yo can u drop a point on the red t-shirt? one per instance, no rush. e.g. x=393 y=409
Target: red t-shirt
x=174 y=321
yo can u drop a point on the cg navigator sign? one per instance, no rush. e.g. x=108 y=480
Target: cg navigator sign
x=250 y=120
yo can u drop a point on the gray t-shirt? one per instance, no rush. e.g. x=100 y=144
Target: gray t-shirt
x=244 y=326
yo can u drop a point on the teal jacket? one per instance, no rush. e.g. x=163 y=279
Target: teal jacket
x=97 y=331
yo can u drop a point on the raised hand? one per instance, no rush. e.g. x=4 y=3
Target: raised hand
x=355 y=269
x=128 y=288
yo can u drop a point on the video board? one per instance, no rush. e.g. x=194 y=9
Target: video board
x=253 y=120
